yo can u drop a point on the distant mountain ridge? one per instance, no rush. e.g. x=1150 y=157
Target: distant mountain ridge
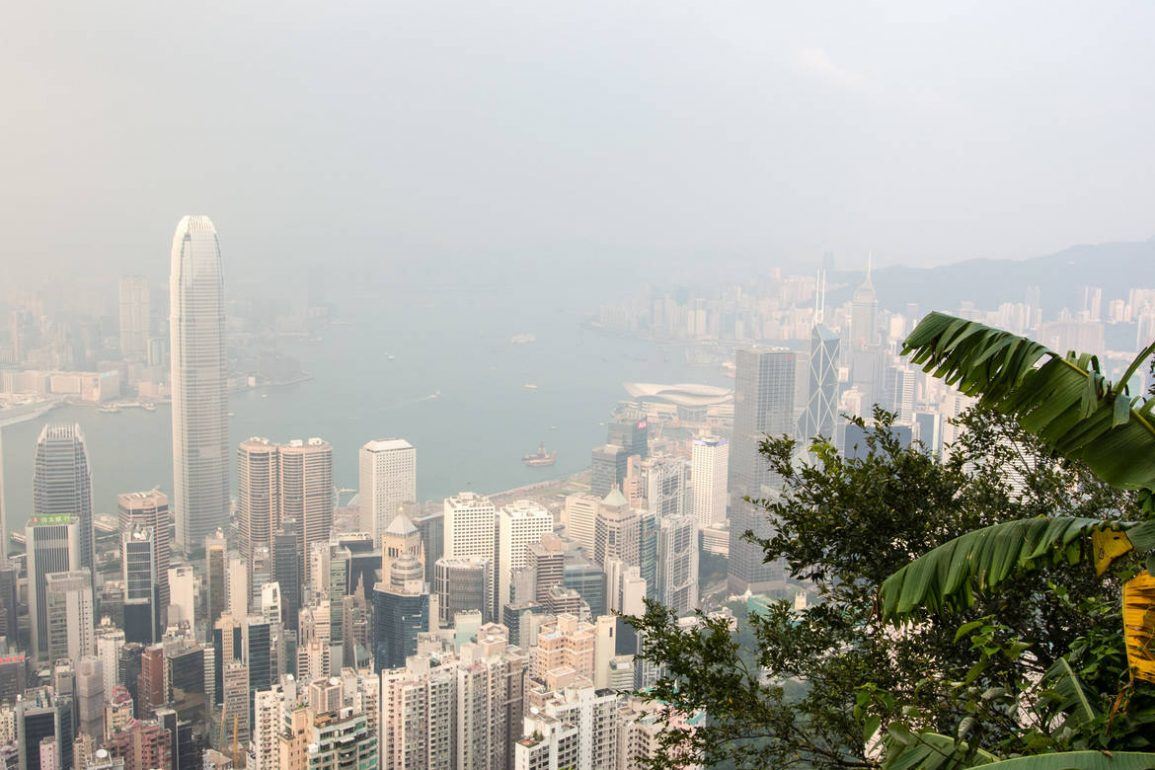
x=1115 y=267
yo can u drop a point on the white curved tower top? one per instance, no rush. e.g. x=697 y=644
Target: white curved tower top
x=199 y=382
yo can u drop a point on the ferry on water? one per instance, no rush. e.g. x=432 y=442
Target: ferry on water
x=541 y=458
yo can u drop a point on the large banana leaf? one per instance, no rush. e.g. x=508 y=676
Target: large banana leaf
x=1064 y=400
x=1079 y=760
x=1067 y=695
x=949 y=576
x=906 y=750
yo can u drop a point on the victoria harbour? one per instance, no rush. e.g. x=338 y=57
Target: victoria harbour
x=455 y=386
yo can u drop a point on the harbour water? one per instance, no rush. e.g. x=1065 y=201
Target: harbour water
x=433 y=365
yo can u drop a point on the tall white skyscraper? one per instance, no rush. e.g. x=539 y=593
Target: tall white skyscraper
x=519 y=525
x=471 y=529
x=388 y=478
x=709 y=466
x=62 y=483
x=134 y=317
x=200 y=433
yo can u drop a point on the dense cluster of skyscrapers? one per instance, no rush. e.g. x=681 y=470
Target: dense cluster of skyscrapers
x=279 y=630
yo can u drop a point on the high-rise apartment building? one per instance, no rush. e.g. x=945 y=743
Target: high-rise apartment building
x=62 y=483
x=150 y=509
x=135 y=317
x=763 y=405
x=199 y=380
x=388 y=480
x=519 y=525
x=53 y=545
x=709 y=467
x=419 y=714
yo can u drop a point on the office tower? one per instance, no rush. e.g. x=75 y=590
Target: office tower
x=898 y=392
x=62 y=484
x=625 y=588
x=519 y=524
x=664 y=483
x=182 y=606
x=141 y=586
x=128 y=667
x=271 y=603
x=4 y=528
x=237 y=585
x=864 y=314
x=763 y=404
x=109 y=640
x=630 y=434
x=821 y=414
x=69 y=614
x=53 y=545
x=929 y=429
x=419 y=714
x=233 y=721
x=257 y=494
x=388 y=480
x=42 y=714
x=608 y=469
x=314 y=646
x=258 y=652
x=616 y=530
x=135 y=317
x=587 y=579
x=90 y=695
x=199 y=382
x=709 y=466
x=431 y=525
x=400 y=613
x=471 y=529
x=287 y=572
x=216 y=577
x=677 y=564
x=546 y=561
x=150 y=509
x=580 y=512
x=461 y=584
x=152 y=690
x=306 y=494
x=400 y=538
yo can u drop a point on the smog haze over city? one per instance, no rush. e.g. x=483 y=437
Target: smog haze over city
x=384 y=384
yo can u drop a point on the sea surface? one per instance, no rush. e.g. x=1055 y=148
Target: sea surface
x=434 y=365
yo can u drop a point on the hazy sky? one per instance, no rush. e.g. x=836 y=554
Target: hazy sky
x=630 y=133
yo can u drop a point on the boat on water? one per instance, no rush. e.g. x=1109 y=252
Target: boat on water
x=530 y=386
x=108 y=408
x=541 y=458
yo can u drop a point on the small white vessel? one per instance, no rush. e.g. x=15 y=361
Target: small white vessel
x=530 y=386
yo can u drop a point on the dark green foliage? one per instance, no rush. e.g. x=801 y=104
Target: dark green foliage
x=816 y=680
